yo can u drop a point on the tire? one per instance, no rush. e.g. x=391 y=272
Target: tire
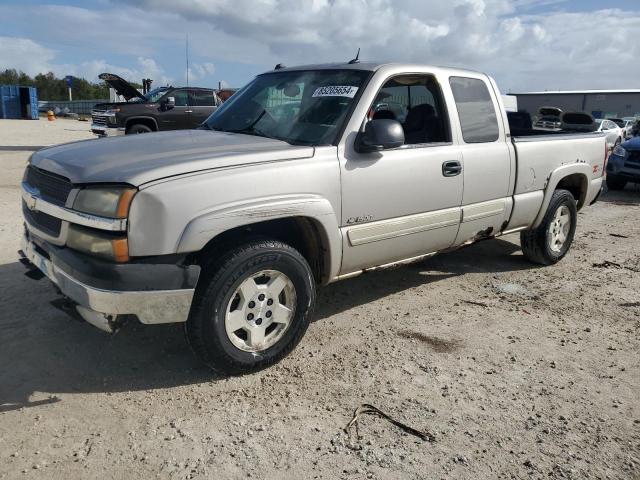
x=220 y=306
x=540 y=244
x=138 y=128
x=615 y=183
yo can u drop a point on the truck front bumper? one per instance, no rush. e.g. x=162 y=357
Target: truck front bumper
x=103 y=131
x=103 y=292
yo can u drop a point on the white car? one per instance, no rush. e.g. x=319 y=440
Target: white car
x=629 y=122
x=614 y=133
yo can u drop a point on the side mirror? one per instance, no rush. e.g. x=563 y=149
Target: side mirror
x=170 y=102
x=381 y=134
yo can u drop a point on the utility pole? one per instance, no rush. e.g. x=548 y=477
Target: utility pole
x=187 y=56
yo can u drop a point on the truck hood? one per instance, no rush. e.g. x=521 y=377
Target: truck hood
x=138 y=159
x=121 y=86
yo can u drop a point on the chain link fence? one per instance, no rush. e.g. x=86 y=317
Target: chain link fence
x=80 y=107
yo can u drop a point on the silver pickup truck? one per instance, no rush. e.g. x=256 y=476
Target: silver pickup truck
x=306 y=176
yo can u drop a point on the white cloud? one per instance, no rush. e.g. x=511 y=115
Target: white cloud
x=497 y=36
x=25 y=55
x=198 y=71
x=523 y=51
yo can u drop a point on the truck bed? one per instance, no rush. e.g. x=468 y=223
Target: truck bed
x=539 y=153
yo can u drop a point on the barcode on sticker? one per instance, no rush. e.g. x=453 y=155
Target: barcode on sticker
x=335 y=91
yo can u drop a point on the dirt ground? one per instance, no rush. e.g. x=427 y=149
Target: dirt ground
x=519 y=371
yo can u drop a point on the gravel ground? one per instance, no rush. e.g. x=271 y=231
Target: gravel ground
x=518 y=371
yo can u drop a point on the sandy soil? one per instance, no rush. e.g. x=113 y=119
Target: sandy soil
x=518 y=371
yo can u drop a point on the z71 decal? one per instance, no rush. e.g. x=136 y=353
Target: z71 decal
x=335 y=91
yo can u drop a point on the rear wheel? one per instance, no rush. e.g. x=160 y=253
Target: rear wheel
x=615 y=183
x=251 y=307
x=138 y=128
x=551 y=241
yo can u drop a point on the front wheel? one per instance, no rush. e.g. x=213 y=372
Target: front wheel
x=138 y=128
x=251 y=307
x=551 y=241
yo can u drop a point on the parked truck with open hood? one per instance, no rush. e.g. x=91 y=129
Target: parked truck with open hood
x=164 y=108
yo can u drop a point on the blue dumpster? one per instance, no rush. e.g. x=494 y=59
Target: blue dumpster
x=17 y=102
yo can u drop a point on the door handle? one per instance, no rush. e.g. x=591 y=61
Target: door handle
x=451 y=168
x=188 y=111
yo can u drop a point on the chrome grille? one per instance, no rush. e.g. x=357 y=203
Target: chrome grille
x=43 y=222
x=98 y=118
x=53 y=188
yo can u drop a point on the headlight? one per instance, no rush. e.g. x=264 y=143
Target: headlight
x=105 y=245
x=619 y=151
x=110 y=202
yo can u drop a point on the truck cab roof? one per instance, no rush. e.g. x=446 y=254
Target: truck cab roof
x=372 y=67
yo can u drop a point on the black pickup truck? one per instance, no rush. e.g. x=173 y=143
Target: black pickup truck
x=164 y=108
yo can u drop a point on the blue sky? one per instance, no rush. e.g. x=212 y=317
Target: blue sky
x=525 y=44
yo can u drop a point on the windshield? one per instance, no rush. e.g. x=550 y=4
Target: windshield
x=299 y=107
x=152 y=96
x=617 y=121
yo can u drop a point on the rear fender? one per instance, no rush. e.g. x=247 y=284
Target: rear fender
x=584 y=170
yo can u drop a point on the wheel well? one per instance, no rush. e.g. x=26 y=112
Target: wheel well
x=142 y=121
x=302 y=233
x=577 y=185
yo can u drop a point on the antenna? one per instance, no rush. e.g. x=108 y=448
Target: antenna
x=357 y=59
x=187 y=56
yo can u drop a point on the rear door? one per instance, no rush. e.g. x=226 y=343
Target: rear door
x=486 y=201
x=179 y=116
x=203 y=103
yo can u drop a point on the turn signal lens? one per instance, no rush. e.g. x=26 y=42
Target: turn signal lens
x=97 y=243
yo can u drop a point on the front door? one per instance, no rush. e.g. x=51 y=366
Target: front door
x=178 y=116
x=405 y=202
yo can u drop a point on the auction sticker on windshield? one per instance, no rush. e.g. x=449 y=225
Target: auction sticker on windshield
x=335 y=91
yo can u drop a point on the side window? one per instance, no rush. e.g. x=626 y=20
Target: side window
x=476 y=110
x=416 y=102
x=180 y=96
x=201 y=98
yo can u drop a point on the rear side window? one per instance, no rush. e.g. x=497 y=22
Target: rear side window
x=475 y=108
x=201 y=98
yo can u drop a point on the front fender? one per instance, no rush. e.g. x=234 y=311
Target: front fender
x=583 y=169
x=200 y=230
x=136 y=118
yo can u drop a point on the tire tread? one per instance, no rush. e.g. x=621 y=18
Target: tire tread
x=534 y=242
x=196 y=328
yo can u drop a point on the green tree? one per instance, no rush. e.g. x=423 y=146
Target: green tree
x=52 y=88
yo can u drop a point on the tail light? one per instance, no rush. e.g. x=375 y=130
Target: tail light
x=606 y=157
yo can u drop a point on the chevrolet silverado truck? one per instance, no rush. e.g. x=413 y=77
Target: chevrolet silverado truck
x=164 y=108
x=300 y=179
